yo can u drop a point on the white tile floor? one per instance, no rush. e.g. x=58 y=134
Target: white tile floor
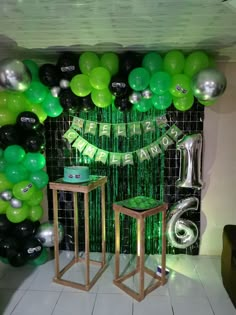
x=194 y=287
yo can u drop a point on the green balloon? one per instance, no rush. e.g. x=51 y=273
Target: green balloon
x=36 y=92
x=183 y=103
x=14 y=154
x=17 y=102
x=41 y=259
x=1 y=152
x=144 y=105
x=152 y=62
x=7 y=117
x=160 y=82
x=37 y=198
x=174 y=62
x=16 y=215
x=88 y=61
x=99 y=78
x=39 y=179
x=52 y=106
x=163 y=101
x=3 y=205
x=196 y=62
x=24 y=190
x=35 y=213
x=3 y=164
x=110 y=61
x=16 y=173
x=180 y=85
x=139 y=79
x=101 y=98
x=5 y=183
x=34 y=161
x=3 y=98
x=207 y=103
x=80 y=85
x=33 y=68
x=38 y=110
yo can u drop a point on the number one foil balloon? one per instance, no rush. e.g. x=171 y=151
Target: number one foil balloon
x=190 y=147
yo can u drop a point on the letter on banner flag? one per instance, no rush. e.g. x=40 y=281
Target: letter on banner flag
x=143 y=154
x=90 y=151
x=119 y=130
x=127 y=159
x=90 y=127
x=80 y=143
x=174 y=132
x=77 y=123
x=70 y=135
x=104 y=130
x=154 y=149
x=148 y=126
x=134 y=129
x=101 y=156
x=165 y=141
x=114 y=158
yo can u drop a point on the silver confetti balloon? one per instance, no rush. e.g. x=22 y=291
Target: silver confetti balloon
x=6 y=195
x=135 y=97
x=45 y=234
x=64 y=84
x=190 y=147
x=147 y=94
x=14 y=75
x=55 y=91
x=182 y=233
x=16 y=203
x=208 y=84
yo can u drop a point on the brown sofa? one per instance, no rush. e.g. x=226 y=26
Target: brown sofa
x=228 y=261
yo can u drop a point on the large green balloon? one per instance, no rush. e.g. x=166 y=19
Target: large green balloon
x=80 y=85
x=37 y=198
x=52 y=106
x=39 y=178
x=139 y=79
x=99 y=78
x=17 y=102
x=110 y=61
x=7 y=117
x=144 y=105
x=3 y=206
x=34 y=161
x=152 y=62
x=174 y=62
x=35 y=213
x=160 y=82
x=196 y=62
x=5 y=183
x=183 y=103
x=14 y=154
x=36 y=93
x=24 y=190
x=3 y=164
x=16 y=173
x=38 y=110
x=88 y=61
x=16 y=215
x=163 y=101
x=101 y=98
x=180 y=85
x=3 y=98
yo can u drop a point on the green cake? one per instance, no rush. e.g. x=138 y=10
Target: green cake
x=76 y=174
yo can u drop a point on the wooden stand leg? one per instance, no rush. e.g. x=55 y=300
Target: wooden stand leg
x=56 y=240
x=163 y=254
x=103 y=206
x=117 y=244
x=76 y=226
x=86 y=226
x=142 y=257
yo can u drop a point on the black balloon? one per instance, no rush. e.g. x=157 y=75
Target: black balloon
x=129 y=61
x=119 y=86
x=5 y=225
x=32 y=248
x=18 y=259
x=86 y=104
x=123 y=104
x=68 y=100
x=27 y=121
x=9 y=135
x=9 y=246
x=24 y=229
x=68 y=65
x=49 y=75
x=33 y=141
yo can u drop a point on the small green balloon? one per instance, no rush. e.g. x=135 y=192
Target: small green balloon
x=16 y=173
x=33 y=68
x=7 y=117
x=144 y=105
x=38 y=197
x=52 y=106
x=36 y=92
x=17 y=215
x=4 y=182
x=196 y=62
x=38 y=110
x=99 y=78
x=174 y=62
x=3 y=205
x=110 y=61
x=101 y=98
x=152 y=62
x=180 y=85
x=207 y=103
x=41 y=259
x=39 y=179
x=34 y=161
x=3 y=164
x=88 y=61
x=80 y=85
x=163 y=101
x=35 y=213
x=160 y=82
x=183 y=103
x=139 y=79
x=24 y=190
x=14 y=154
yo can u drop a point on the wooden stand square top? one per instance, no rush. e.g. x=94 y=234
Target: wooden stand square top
x=93 y=183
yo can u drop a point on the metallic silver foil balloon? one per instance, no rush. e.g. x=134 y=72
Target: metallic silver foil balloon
x=16 y=203
x=45 y=234
x=135 y=97
x=182 y=233
x=147 y=94
x=55 y=91
x=64 y=84
x=190 y=147
x=6 y=195
x=208 y=84
x=14 y=75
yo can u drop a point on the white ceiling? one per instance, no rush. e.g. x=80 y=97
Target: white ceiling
x=39 y=28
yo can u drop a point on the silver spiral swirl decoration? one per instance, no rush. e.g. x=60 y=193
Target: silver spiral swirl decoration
x=182 y=233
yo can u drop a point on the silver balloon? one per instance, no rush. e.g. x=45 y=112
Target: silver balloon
x=45 y=234
x=182 y=233
x=14 y=75
x=64 y=84
x=6 y=195
x=135 y=97
x=208 y=84
x=190 y=147
x=147 y=94
x=16 y=203
x=55 y=91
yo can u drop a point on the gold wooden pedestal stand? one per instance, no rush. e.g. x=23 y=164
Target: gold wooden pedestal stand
x=140 y=268
x=94 y=183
